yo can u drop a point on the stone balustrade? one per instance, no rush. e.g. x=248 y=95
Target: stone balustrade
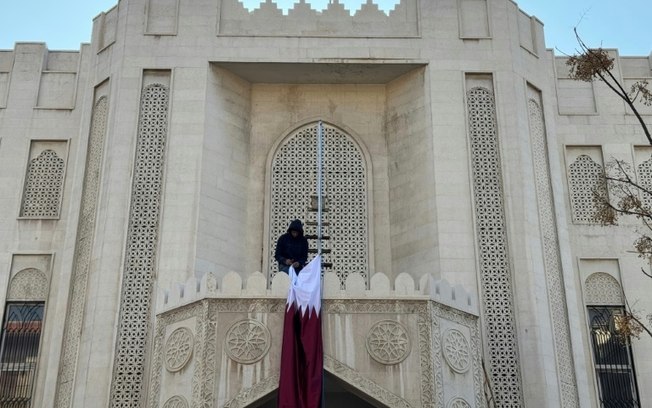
x=255 y=286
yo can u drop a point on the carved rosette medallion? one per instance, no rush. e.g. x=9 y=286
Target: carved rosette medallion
x=178 y=349
x=176 y=402
x=388 y=342
x=456 y=351
x=458 y=403
x=247 y=341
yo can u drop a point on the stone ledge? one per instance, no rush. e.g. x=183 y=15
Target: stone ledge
x=255 y=286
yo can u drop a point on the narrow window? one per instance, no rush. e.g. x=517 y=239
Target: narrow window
x=21 y=334
x=612 y=355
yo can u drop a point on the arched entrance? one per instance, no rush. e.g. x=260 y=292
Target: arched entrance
x=345 y=189
x=336 y=393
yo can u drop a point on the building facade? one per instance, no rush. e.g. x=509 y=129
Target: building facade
x=146 y=177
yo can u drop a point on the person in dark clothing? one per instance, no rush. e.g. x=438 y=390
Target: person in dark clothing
x=292 y=248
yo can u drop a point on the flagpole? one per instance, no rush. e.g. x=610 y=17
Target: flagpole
x=319 y=204
x=319 y=184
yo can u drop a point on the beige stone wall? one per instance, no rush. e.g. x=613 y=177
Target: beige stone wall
x=608 y=131
x=395 y=83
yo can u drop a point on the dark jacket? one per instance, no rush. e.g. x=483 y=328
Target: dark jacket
x=288 y=247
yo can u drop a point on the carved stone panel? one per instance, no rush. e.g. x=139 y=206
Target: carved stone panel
x=388 y=342
x=176 y=402
x=247 y=341
x=28 y=284
x=178 y=349
x=456 y=351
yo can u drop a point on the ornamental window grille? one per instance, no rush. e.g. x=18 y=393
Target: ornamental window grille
x=495 y=270
x=19 y=346
x=644 y=171
x=612 y=357
x=587 y=185
x=142 y=238
x=344 y=187
x=43 y=186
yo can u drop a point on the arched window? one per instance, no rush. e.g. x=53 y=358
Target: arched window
x=344 y=215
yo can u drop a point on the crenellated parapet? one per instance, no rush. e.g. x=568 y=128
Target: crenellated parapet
x=335 y=20
x=233 y=285
x=52 y=75
x=593 y=98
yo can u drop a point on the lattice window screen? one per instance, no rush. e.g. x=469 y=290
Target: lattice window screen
x=294 y=175
x=129 y=367
x=43 y=186
x=603 y=289
x=644 y=171
x=495 y=270
x=585 y=178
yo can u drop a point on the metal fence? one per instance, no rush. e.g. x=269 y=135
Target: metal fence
x=613 y=360
x=21 y=333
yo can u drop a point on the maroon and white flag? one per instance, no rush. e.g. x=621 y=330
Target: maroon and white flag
x=302 y=355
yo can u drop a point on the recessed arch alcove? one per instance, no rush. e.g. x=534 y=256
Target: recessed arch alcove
x=345 y=187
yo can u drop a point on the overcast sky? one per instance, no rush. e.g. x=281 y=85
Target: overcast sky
x=623 y=24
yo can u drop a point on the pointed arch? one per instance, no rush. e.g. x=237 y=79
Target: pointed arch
x=291 y=182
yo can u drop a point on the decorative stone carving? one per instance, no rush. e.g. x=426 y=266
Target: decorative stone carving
x=140 y=253
x=644 y=172
x=495 y=269
x=83 y=251
x=247 y=341
x=458 y=403
x=388 y=342
x=586 y=178
x=43 y=186
x=178 y=349
x=603 y=289
x=28 y=284
x=456 y=351
x=205 y=379
x=176 y=402
x=250 y=395
x=369 y=387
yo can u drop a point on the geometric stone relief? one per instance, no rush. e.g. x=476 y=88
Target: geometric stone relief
x=176 y=402
x=43 y=186
x=388 y=342
x=456 y=351
x=247 y=341
x=644 y=172
x=129 y=371
x=208 y=386
x=458 y=403
x=29 y=284
x=83 y=252
x=585 y=179
x=551 y=253
x=602 y=289
x=293 y=182
x=178 y=349
x=358 y=381
x=495 y=269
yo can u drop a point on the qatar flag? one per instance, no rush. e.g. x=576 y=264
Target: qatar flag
x=302 y=355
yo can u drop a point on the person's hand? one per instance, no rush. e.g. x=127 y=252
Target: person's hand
x=289 y=262
x=296 y=265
